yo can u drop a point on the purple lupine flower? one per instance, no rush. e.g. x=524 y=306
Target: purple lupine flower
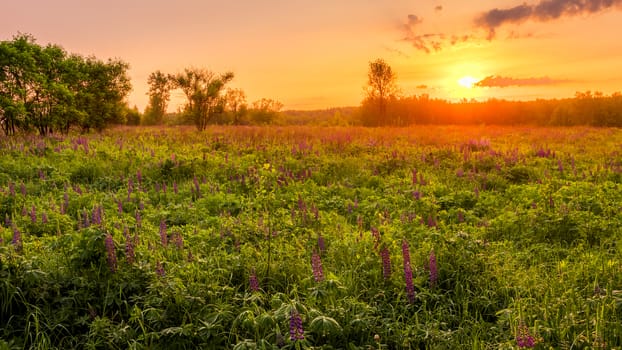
x=416 y=195
x=65 y=205
x=524 y=339
x=24 y=211
x=12 y=189
x=159 y=268
x=163 y=186
x=139 y=177
x=386 y=263
x=33 y=214
x=44 y=218
x=178 y=240
x=17 y=239
x=141 y=205
x=22 y=189
x=296 y=332
x=375 y=234
x=253 y=282
x=433 y=269
x=111 y=254
x=431 y=221
x=97 y=215
x=163 y=235
x=7 y=220
x=175 y=189
x=321 y=243
x=129 y=247
x=120 y=207
x=460 y=216
x=408 y=273
x=138 y=219
x=316 y=264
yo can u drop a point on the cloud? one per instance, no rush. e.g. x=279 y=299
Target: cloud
x=499 y=81
x=545 y=10
x=421 y=86
x=413 y=20
x=438 y=8
x=429 y=42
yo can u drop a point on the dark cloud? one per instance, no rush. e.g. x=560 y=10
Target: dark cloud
x=421 y=86
x=438 y=8
x=396 y=51
x=429 y=42
x=413 y=20
x=499 y=81
x=545 y=10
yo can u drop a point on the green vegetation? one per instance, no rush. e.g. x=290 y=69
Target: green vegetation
x=47 y=90
x=300 y=237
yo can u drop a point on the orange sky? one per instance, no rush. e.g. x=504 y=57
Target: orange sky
x=314 y=54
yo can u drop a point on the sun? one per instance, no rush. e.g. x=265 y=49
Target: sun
x=467 y=81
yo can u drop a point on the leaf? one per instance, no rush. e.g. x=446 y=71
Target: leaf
x=325 y=325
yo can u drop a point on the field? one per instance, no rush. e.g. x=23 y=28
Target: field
x=434 y=237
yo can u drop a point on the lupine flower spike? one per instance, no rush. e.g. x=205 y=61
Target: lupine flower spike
x=296 y=332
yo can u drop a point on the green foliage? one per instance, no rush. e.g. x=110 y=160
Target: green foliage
x=217 y=238
x=47 y=90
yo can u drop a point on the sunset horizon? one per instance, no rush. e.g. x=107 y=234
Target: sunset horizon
x=315 y=56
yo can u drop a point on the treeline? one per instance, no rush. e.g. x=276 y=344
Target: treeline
x=208 y=101
x=586 y=108
x=47 y=90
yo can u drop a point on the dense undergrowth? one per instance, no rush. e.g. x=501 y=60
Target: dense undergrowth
x=299 y=237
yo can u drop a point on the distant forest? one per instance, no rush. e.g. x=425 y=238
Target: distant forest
x=46 y=90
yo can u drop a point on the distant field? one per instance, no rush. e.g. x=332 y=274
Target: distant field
x=439 y=237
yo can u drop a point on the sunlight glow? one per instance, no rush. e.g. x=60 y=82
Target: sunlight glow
x=467 y=81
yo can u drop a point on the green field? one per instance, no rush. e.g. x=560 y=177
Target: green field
x=433 y=237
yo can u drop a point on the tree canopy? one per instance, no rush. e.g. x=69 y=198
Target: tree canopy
x=45 y=89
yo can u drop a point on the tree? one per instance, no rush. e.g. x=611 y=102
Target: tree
x=381 y=87
x=47 y=90
x=235 y=105
x=202 y=89
x=159 y=95
x=265 y=111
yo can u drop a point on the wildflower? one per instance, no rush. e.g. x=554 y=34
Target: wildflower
x=296 y=332
x=375 y=233
x=22 y=189
x=44 y=218
x=432 y=221
x=321 y=243
x=416 y=195
x=408 y=273
x=386 y=263
x=316 y=264
x=163 y=235
x=524 y=339
x=460 y=216
x=129 y=248
x=138 y=219
x=65 y=205
x=12 y=189
x=120 y=207
x=175 y=189
x=160 y=269
x=433 y=269
x=33 y=214
x=178 y=240
x=111 y=254
x=7 y=220
x=253 y=282
x=17 y=239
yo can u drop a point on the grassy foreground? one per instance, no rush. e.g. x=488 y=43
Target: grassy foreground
x=301 y=237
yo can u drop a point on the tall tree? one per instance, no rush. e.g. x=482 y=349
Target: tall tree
x=235 y=105
x=381 y=87
x=203 y=90
x=159 y=96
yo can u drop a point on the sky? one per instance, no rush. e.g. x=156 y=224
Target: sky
x=315 y=54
